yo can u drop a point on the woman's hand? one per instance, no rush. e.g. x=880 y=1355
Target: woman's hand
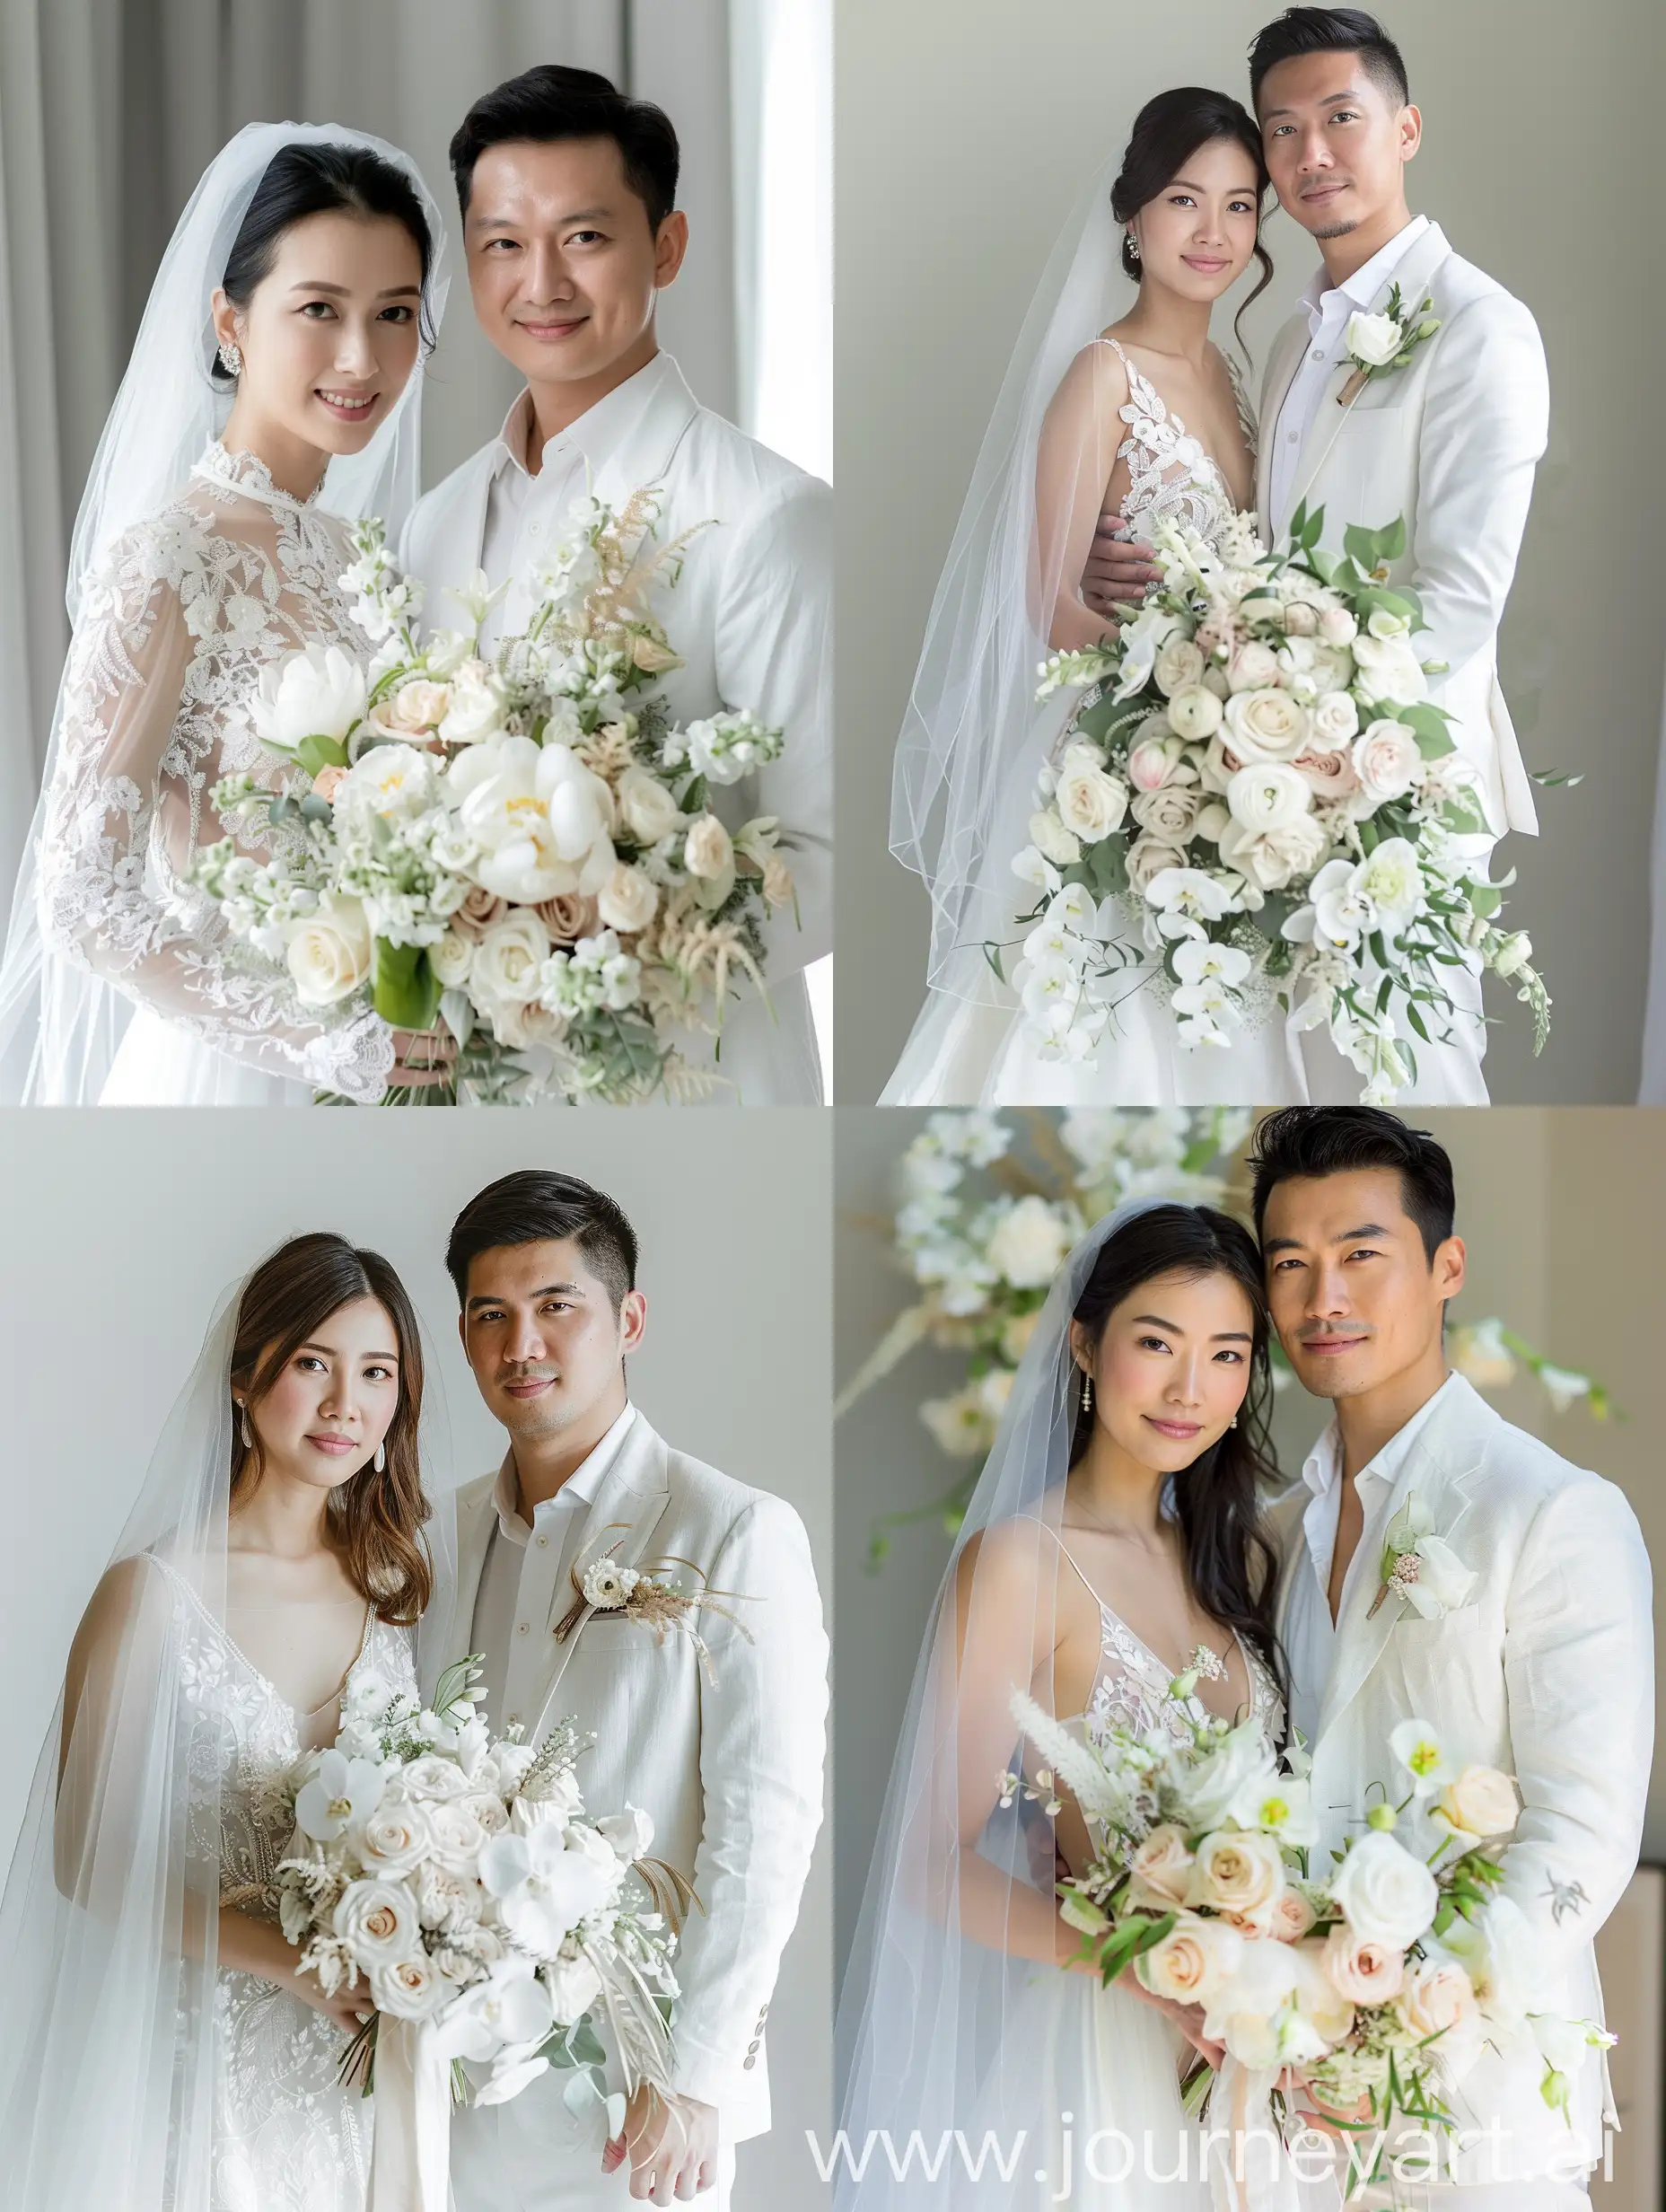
x=349 y=2008
x=422 y=1058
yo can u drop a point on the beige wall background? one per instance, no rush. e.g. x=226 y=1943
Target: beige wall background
x=109 y=1274
x=966 y=128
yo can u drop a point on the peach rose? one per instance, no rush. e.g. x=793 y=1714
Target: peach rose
x=327 y=782
x=1329 y=775
x=480 y=910
x=1437 y=1995
x=567 y=916
x=1292 y=1916
x=1163 y=1864
x=1192 y=1963
x=1365 y=1973
x=1243 y=1874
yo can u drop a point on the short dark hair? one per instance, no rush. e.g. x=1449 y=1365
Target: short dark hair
x=552 y=102
x=309 y=179
x=1330 y=30
x=537 y=1206
x=1342 y=1140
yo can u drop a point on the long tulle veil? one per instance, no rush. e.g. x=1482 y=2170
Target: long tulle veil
x=60 y=1026
x=926 y=2036
x=108 y=1924
x=973 y=733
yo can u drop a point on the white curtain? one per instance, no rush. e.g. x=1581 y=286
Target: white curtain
x=110 y=109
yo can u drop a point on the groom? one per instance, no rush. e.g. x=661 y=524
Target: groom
x=1448 y=441
x=572 y=231
x=725 y=1754
x=1547 y=1672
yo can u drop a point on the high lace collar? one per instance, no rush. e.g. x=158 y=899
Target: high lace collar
x=248 y=475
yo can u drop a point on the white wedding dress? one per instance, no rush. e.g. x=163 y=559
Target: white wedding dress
x=1103 y=2057
x=183 y=617
x=965 y=1052
x=287 y=2136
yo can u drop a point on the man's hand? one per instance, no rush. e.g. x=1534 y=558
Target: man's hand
x=1118 y=568
x=672 y=2143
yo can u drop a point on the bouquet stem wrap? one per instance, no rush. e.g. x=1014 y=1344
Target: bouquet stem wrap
x=411 y=2157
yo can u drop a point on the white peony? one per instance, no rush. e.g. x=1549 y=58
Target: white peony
x=328 y=952
x=541 y=818
x=319 y=693
x=1387 y=1896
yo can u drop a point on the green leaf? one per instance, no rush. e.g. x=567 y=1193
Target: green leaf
x=1485 y=899
x=1428 y=726
x=316 y=754
x=408 y=992
x=1362 y=545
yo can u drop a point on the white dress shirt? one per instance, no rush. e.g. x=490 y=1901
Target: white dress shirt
x=1329 y=314
x=1310 y=1632
x=525 y=1587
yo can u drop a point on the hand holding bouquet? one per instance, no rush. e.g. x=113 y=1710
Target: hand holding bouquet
x=1261 y=786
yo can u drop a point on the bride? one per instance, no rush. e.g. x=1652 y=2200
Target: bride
x=158 y=2047
x=272 y=398
x=1113 y=1542
x=1120 y=426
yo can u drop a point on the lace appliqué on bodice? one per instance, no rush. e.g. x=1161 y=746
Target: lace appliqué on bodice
x=186 y=613
x=1170 y=476
x=1131 y=1687
x=288 y=2137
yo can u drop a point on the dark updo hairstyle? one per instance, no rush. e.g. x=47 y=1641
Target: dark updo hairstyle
x=551 y=103
x=373 y=1521
x=302 y=181
x=1166 y=132
x=1231 y=1564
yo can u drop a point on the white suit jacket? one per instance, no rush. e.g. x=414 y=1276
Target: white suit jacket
x=1549 y=1674
x=1450 y=443
x=752 y=617
x=728 y=1767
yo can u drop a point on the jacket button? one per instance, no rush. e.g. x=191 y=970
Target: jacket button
x=748 y=2064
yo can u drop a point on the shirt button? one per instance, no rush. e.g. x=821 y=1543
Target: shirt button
x=514 y=1721
x=533 y=529
x=1293 y=437
x=1318 y=353
x=542 y=1540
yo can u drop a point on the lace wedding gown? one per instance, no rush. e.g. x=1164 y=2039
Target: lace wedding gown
x=187 y=612
x=1110 y=2065
x=965 y=1054
x=288 y=2137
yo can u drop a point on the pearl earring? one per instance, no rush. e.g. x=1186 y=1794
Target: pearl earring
x=1087 y=1393
x=380 y=1461
x=1134 y=246
x=232 y=359
x=1233 y=1422
x=249 y=1442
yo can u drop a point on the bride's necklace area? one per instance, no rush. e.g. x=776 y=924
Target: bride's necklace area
x=1203 y=1660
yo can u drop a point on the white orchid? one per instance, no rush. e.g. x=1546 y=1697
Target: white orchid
x=341 y=1790
x=543 y=1889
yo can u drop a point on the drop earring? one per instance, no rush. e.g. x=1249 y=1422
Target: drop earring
x=242 y=1423
x=1134 y=246
x=380 y=1461
x=1087 y=1393
x=1233 y=1422
x=231 y=358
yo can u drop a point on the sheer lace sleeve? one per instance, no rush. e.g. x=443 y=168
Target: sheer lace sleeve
x=149 y=721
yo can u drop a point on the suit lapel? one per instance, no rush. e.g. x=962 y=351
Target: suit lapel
x=1438 y=1470
x=620 y=1523
x=476 y=1517
x=1281 y=373
x=644 y=444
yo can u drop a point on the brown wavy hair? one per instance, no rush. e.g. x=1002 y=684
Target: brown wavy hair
x=373 y=1521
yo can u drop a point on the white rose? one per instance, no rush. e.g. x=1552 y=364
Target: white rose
x=1267 y=797
x=1437 y=1996
x=508 y=958
x=1241 y=1873
x=1195 y=715
x=1338 y=626
x=450 y=959
x=1481 y=1802
x=377 y=1920
x=646 y=808
x=1387 y=1896
x=1254 y=667
x=328 y=953
x=709 y=852
x=1267 y=726
x=417 y=705
x=395 y=1838
x=1374 y=340
x=1179 y=667
x=1050 y=838
x=1270 y=858
x=1171 y=813
x=1148 y=856
x=1336 y=719
x=1090 y=802
x=318 y=693
x=1385 y=760
x=628 y=899
x=1029 y=1244
x=476 y=709
x=407 y=1988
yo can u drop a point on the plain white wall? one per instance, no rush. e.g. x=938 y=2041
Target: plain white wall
x=118 y=1231
x=966 y=129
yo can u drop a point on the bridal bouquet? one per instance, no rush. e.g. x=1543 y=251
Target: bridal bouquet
x=521 y=850
x=1261 y=780
x=460 y=1878
x=1377 y=1982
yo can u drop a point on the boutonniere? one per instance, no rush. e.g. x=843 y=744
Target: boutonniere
x=647 y=1595
x=1421 y=1567
x=1377 y=345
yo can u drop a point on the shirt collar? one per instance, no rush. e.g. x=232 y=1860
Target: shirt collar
x=579 y=1489
x=596 y=433
x=1358 y=291
x=1322 y=1469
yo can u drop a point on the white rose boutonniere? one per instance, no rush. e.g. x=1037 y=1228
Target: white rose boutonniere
x=1380 y=344
x=1421 y=1567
